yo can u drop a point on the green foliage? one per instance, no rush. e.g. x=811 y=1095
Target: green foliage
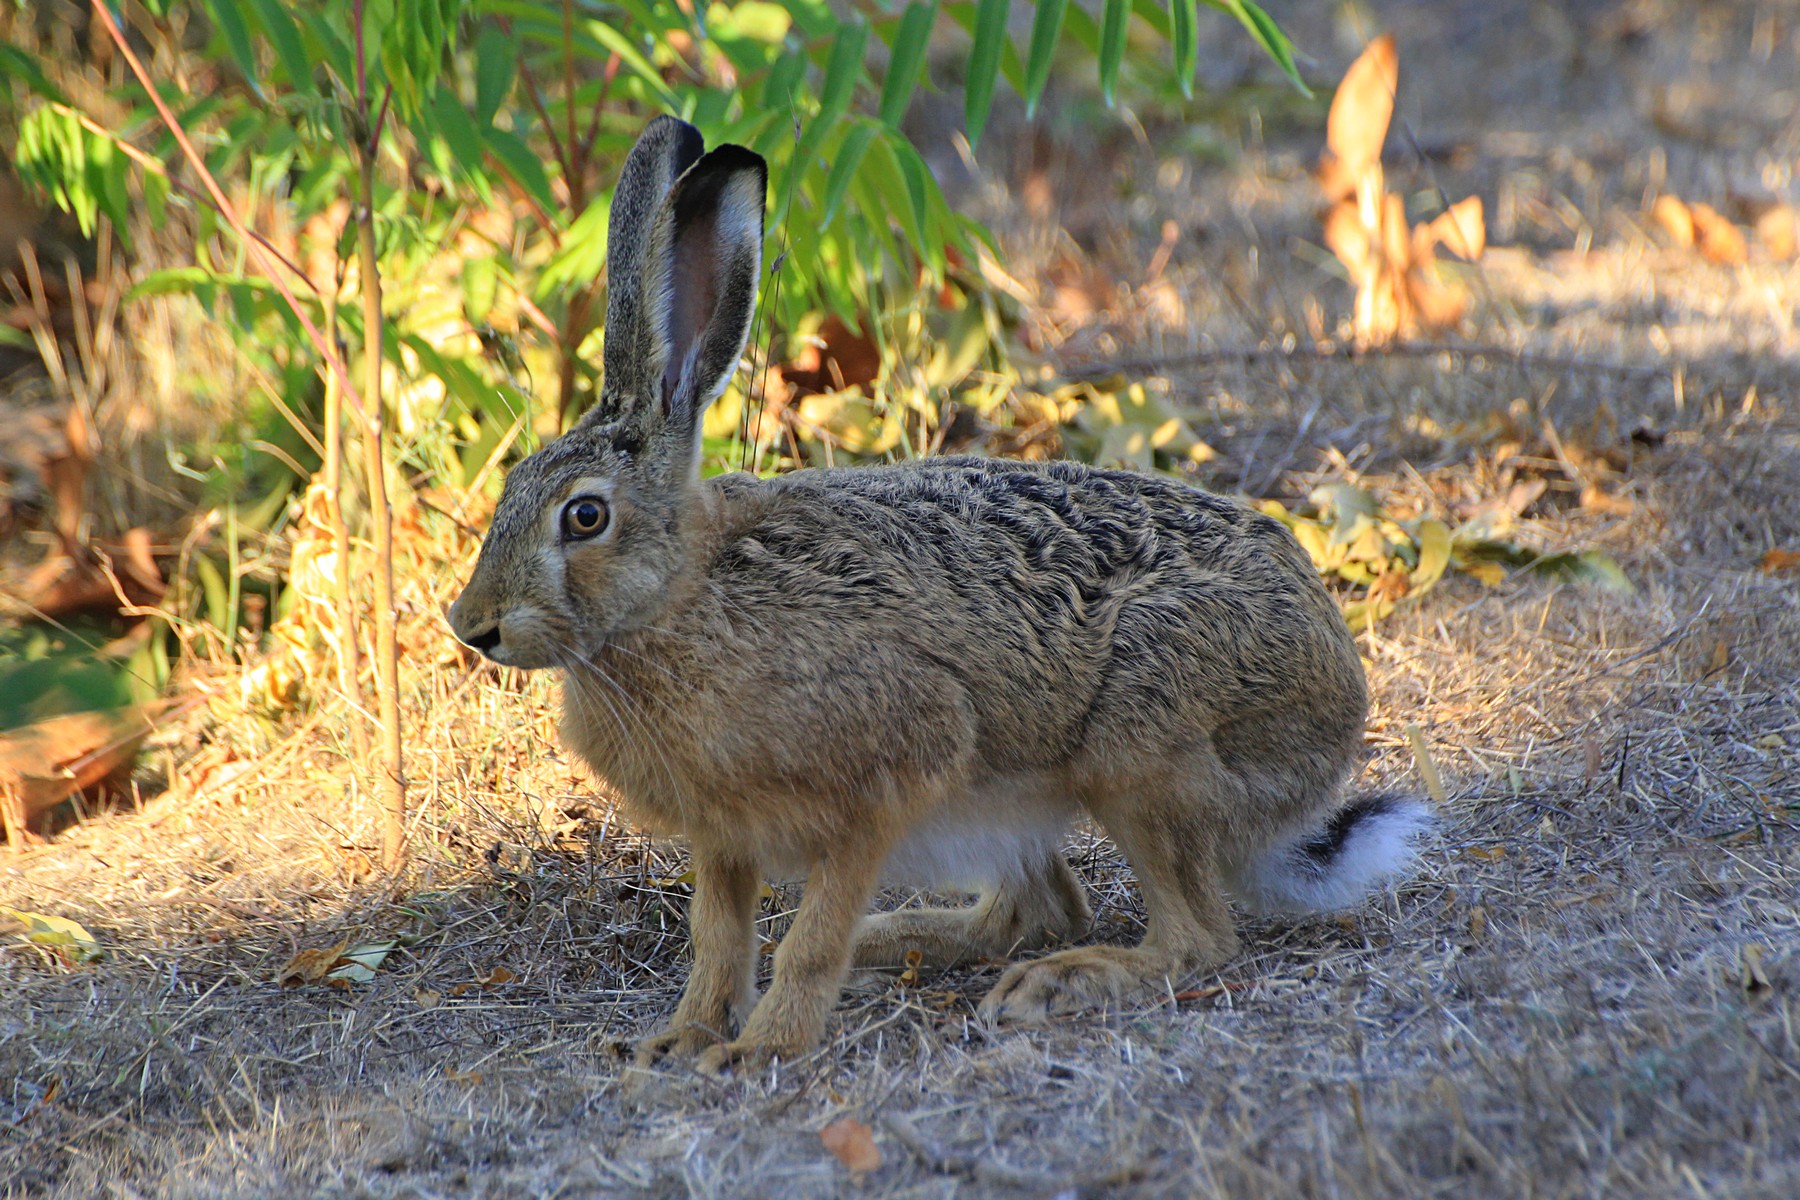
x=500 y=127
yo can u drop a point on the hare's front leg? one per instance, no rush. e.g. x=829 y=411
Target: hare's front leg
x=811 y=961
x=722 y=920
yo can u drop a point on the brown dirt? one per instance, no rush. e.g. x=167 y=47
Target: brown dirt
x=1590 y=986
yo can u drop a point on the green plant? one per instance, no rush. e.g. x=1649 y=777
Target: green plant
x=426 y=181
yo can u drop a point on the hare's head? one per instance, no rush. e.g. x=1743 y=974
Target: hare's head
x=587 y=540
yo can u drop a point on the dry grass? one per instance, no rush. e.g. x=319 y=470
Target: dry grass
x=1559 y=1003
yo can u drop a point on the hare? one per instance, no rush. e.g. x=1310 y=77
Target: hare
x=915 y=673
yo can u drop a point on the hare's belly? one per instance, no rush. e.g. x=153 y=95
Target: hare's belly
x=988 y=834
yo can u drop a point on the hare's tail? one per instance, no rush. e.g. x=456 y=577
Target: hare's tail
x=1360 y=845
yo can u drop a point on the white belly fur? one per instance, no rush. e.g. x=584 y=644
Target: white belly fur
x=980 y=839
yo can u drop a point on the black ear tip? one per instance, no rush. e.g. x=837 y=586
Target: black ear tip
x=732 y=157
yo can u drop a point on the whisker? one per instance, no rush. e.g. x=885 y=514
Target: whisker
x=635 y=710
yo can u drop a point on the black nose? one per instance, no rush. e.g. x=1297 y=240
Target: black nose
x=485 y=641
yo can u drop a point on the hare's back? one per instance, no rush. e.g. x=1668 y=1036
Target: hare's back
x=1049 y=594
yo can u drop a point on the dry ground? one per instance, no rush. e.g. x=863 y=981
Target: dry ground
x=1565 y=1000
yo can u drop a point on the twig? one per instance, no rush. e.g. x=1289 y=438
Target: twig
x=1328 y=352
x=325 y=348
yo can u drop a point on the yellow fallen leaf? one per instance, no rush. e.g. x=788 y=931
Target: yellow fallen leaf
x=1434 y=782
x=852 y=1143
x=59 y=933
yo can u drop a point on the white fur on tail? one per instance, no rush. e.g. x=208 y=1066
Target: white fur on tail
x=1361 y=845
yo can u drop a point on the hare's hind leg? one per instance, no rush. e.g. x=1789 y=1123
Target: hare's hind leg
x=1169 y=828
x=722 y=982
x=1043 y=903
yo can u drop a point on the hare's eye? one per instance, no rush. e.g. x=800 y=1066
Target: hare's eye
x=584 y=517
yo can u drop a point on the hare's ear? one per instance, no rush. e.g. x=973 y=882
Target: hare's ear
x=700 y=275
x=666 y=149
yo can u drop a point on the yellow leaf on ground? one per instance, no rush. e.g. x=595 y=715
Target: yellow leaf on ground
x=57 y=932
x=853 y=1144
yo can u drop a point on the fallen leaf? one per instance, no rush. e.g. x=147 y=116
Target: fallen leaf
x=1751 y=976
x=1672 y=214
x=1461 y=229
x=58 y=933
x=427 y=998
x=1434 y=782
x=45 y=763
x=910 y=976
x=359 y=963
x=853 y=1144
x=1486 y=853
x=1719 y=240
x=311 y=965
x=1780 y=560
x=1778 y=229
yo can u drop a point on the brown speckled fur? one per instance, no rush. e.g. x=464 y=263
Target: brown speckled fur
x=800 y=674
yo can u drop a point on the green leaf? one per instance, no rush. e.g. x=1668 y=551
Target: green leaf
x=17 y=64
x=632 y=57
x=920 y=191
x=520 y=163
x=229 y=19
x=582 y=255
x=1276 y=44
x=1185 y=35
x=783 y=81
x=984 y=66
x=842 y=70
x=1046 y=31
x=480 y=285
x=495 y=63
x=452 y=123
x=1587 y=566
x=1114 y=25
x=330 y=47
x=279 y=26
x=843 y=167
x=910 y=43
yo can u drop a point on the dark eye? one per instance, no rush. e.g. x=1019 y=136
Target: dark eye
x=584 y=517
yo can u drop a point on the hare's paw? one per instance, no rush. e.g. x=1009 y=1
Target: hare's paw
x=744 y=1057
x=1067 y=982
x=677 y=1041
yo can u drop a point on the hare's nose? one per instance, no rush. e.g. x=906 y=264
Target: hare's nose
x=485 y=641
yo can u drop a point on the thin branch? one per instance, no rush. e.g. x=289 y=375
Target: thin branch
x=536 y=97
x=1346 y=353
x=265 y=260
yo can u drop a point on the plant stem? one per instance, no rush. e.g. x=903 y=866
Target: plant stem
x=349 y=654
x=381 y=512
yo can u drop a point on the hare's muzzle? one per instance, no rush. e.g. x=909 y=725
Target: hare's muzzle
x=478 y=632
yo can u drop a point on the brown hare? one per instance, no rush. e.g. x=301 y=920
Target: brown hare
x=915 y=673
